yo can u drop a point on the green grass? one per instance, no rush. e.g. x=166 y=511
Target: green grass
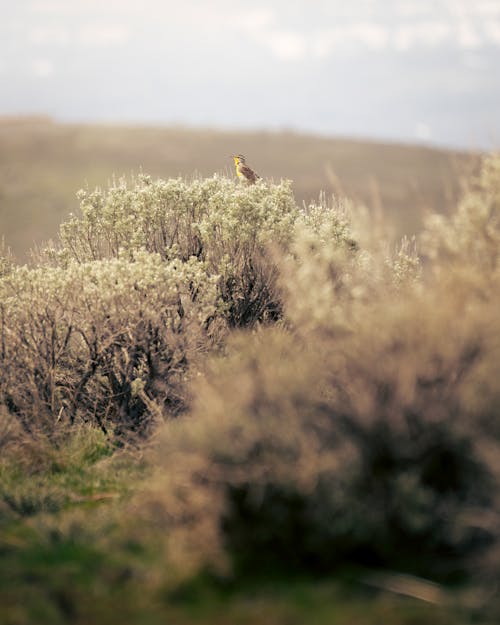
x=60 y=543
x=71 y=553
x=42 y=164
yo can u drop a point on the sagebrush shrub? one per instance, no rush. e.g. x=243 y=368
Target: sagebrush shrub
x=107 y=340
x=107 y=324
x=464 y=248
x=227 y=225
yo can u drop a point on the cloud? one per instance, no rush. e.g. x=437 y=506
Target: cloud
x=49 y=35
x=288 y=33
x=42 y=68
x=371 y=35
x=413 y=9
x=259 y=25
x=426 y=34
x=104 y=35
x=492 y=31
x=61 y=7
x=422 y=131
x=365 y=35
x=287 y=45
x=46 y=6
x=96 y=34
x=468 y=36
x=474 y=61
x=486 y=8
x=248 y=20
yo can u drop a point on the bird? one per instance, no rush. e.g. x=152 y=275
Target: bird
x=243 y=171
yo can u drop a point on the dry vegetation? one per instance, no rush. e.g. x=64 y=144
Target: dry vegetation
x=204 y=377
x=367 y=430
x=42 y=164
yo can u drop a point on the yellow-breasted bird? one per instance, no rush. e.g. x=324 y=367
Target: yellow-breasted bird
x=243 y=171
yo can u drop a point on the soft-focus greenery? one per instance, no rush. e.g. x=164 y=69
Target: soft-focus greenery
x=74 y=550
x=220 y=406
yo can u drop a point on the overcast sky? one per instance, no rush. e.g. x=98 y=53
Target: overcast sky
x=412 y=70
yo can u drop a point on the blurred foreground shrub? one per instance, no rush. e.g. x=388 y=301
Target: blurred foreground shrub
x=367 y=432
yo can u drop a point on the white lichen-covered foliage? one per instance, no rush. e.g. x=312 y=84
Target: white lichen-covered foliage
x=230 y=226
x=213 y=218
x=226 y=225
x=106 y=340
x=150 y=274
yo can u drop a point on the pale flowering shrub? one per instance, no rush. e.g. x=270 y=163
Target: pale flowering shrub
x=327 y=278
x=107 y=340
x=328 y=221
x=227 y=225
x=108 y=325
x=466 y=244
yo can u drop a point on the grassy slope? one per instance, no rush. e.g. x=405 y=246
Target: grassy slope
x=69 y=555
x=42 y=164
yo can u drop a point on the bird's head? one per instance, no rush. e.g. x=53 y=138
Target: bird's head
x=238 y=158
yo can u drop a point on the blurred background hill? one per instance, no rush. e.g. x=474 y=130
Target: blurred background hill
x=174 y=89
x=44 y=163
